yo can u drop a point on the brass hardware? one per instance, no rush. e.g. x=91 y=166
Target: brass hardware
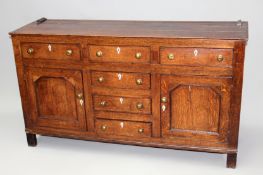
x=220 y=58
x=118 y=50
x=163 y=108
x=138 y=55
x=164 y=99
x=119 y=76
x=103 y=103
x=69 y=52
x=80 y=95
x=140 y=130
x=139 y=105
x=103 y=127
x=30 y=51
x=195 y=52
x=99 y=53
x=49 y=48
x=170 y=56
x=121 y=100
x=100 y=79
x=139 y=81
x=81 y=101
x=122 y=124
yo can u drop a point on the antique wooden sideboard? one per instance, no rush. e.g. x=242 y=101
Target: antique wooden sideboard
x=164 y=84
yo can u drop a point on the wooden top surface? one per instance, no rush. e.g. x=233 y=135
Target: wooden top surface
x=152 y=29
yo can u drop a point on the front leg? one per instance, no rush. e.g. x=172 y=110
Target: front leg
x=31 y=139
x=231 y=160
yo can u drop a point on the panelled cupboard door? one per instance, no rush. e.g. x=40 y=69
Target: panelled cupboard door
x=195 y=107
x=56 y=98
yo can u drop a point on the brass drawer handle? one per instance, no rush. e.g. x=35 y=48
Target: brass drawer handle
x=220 y=58
x=139 y=81
x=139 y=105
x=103 y=127
x=138 y=55
x=69 y=52
x=170 y=56
x=81 y=98
x=80 y=95
x=30 y=51
x=99 y=53
x=140 y=130
x=100 y=79
x=164 y=100
x=103 y=103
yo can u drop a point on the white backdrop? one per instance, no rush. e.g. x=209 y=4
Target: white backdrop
x=83 y=156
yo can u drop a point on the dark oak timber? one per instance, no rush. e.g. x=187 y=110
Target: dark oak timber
x=31 y=139
x=231 y=160
x=168 y=84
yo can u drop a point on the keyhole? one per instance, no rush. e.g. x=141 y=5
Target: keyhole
x=122 y=124
x=119 y=76
x=49 y=48
x=121 y=100
x=195 y=52
x=118 y=50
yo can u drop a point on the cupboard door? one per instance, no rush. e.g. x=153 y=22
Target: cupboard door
x=195 y=107
x=56 y=98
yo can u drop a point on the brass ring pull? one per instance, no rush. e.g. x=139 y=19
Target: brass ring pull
x=139 y=105
x=69 y=52
x=103 y=127
x=100 y=79
x=140 y=130
x=99 y=53
x=220 y=58
x=103 y=103
x=139 y=81
x=80 y=95
x=170 y=56
x=138 y=55
x=164 y=100
x=30 y=51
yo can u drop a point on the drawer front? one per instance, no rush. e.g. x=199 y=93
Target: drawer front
x=121 y=80
x=119 y=54
x=51 y=51
x=123 y=128
x=122 y=104
x=197 y=56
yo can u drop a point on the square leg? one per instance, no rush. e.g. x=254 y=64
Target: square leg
x=231 y=160
x=31 y=139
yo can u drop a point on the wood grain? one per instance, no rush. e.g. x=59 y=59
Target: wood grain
x=61 y=95
x=160 y=29
x=121 y=80
x=197 y=57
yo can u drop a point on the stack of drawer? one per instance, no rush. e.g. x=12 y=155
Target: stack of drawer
x=122 y=115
